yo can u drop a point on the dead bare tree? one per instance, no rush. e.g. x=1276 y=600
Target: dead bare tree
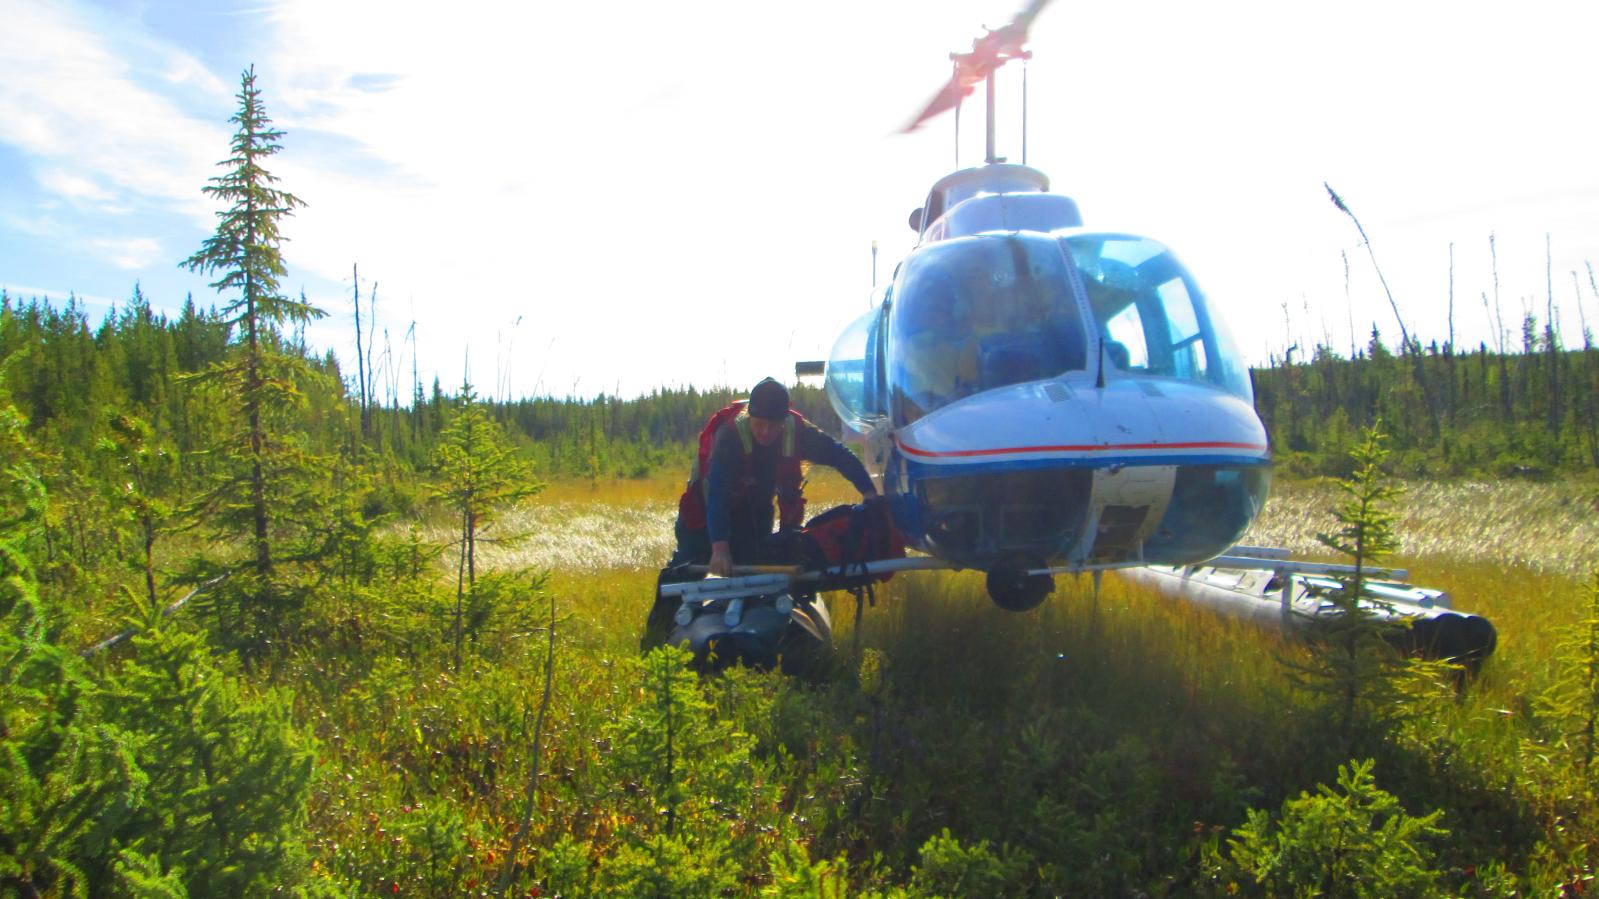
x=1408 y=346
x=360 y=359
x=1551 y=340
x=1506 y=412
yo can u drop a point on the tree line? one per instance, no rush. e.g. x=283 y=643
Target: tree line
x=1482 y=412
x=1529 y=410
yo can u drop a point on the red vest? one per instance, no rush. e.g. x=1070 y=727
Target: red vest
x=790 y=496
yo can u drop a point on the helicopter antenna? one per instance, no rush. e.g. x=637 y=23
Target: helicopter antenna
x=988 y=85
x=1024 y=111
x=958 y=98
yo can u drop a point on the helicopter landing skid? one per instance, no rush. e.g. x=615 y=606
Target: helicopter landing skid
x=1261 y=584
x=766 y=581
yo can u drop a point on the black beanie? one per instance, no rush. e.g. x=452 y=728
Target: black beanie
x=769 y=400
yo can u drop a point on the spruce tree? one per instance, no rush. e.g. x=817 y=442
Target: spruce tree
x=226 y=774
x=268 y=472
x=1355 y=841
x=479 y=473
x=1570 y=706
x=1366 y=685
x=244 y=250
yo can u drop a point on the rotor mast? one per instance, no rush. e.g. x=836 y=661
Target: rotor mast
x=988 y=53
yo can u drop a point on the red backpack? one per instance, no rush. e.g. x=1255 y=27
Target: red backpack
x=790 y=480
x=845 y=536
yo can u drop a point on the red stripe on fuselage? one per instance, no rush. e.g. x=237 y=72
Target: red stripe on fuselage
x=1081 y=448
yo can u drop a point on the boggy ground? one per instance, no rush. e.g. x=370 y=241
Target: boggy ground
x=1109 y=747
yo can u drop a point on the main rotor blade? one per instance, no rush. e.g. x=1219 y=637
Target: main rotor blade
x=947 y=97
x=988 y=53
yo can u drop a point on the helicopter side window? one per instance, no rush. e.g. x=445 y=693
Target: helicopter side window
x=1187 y=344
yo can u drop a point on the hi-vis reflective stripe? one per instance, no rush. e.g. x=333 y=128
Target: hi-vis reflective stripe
x=741 y=423
x=747 y=437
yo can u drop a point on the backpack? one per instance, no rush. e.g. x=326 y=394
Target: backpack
x=691 y=510
x=845 y=536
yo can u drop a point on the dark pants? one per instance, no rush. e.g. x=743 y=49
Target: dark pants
x=694 y=548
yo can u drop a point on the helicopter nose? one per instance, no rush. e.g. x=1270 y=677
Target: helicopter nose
x=1085 y=477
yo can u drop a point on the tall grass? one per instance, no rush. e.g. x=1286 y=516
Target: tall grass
x=1101 y=745
x=1541 y=526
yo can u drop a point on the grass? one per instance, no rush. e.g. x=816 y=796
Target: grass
x=1094 y=746
x=602 y=543
x=1538 y=526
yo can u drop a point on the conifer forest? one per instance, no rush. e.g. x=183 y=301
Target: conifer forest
x=272 y=627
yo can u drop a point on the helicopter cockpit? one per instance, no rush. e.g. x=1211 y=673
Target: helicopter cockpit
x=971 y=314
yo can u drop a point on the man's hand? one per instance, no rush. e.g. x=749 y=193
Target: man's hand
x=721 y=559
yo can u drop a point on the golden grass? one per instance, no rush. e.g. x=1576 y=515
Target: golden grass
x=1516 y=553
x=1548 y=527
x=1518 y=526
x=612 y=524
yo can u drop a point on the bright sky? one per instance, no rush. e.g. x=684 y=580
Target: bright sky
x=616 y=196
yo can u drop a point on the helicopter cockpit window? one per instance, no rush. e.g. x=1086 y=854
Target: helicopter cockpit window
x=981 y=312
x=1127 y=348
x=1151 y=313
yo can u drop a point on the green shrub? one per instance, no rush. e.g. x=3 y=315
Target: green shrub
x=949 y=868
x=667 y=867
x=1353 y=841
x=566 y=868
x=228 y=771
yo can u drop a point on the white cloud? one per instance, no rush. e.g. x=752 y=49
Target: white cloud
x=679 y=191
x=56 y=296
x=70 y=97
x=675 y=193
x=635 y=181
x=72 y=186
x=128 y=253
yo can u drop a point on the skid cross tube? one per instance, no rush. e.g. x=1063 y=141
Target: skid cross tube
x=759 y=580
x=744 y=585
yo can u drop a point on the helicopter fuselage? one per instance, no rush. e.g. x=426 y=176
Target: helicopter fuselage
x=1034 y=393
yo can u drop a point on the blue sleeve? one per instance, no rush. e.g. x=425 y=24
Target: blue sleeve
x=814 y=445
x=724 y=465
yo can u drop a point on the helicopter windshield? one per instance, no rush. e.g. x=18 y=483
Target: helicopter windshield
x=1151 y=314
x=976 y=313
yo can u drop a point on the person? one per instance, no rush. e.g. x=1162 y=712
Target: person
x=726 y=513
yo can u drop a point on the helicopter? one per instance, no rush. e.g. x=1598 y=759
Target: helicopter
x=1037 y=397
